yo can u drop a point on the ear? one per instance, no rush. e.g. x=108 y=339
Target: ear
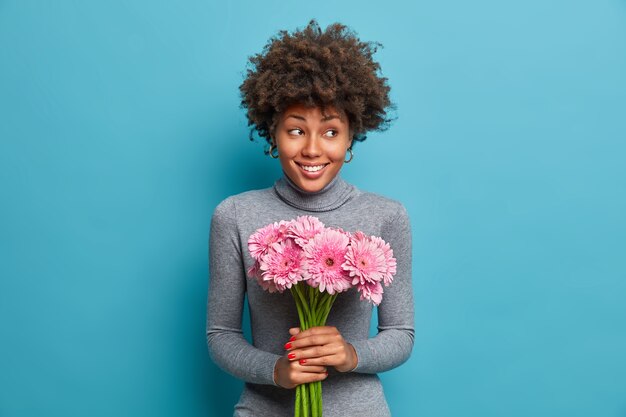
x=351 y=133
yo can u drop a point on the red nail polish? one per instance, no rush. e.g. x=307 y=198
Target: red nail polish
x=291 y=356
x=302 y=361
x=292 y=338
x=287 y=345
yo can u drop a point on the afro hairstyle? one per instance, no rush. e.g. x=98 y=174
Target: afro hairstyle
x=330 y=68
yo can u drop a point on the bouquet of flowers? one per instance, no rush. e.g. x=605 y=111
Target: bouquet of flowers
x=316 y=263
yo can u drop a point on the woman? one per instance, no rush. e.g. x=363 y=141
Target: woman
x=311 y=94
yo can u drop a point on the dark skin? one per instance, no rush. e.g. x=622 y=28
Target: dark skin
x=314 y=67
x=310 y=352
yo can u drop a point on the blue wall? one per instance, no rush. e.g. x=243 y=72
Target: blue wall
x=120 y=131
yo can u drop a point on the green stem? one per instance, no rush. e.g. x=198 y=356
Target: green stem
x=315 y=297
x=314 y=404
x=303 y=300
x=321 y=300
x=318 y=397
x=298 y=411
x=324 y=304
x=326 y=311
x=303 y=323
x=305 y=402
x=311 y=312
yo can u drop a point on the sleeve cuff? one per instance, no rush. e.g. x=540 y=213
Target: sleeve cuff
x=260 y=369
x=272 y=371
x=364 y=355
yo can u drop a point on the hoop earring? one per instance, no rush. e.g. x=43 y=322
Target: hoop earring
x=351 y=156
x=272 y=147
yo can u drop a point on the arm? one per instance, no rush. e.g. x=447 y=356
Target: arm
x=227 y=286
x=393 y=344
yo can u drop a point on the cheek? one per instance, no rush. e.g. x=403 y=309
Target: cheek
x=286 y=149
x=338 y=153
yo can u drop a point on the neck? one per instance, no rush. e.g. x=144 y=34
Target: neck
x=333 y=195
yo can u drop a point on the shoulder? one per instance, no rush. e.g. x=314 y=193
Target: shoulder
x=232 y=213
x=393 y=217
x=384 y=207
x=229 y=206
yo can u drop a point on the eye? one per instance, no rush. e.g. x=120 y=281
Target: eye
x=295 y=132
x=332 y=133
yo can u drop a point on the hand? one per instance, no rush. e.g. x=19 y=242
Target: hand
x=321 y=346
x=289 y=374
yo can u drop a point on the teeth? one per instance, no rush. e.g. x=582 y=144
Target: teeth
x=313 y=168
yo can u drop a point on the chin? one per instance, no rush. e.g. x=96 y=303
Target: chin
x=311 y=188
x=307 y=184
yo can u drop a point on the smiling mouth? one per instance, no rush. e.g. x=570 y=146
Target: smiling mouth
x=312 y=168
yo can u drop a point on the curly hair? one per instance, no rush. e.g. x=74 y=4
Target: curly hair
x=316 y=68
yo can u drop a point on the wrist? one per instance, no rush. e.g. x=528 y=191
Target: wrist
x=275 y=374
x=353 y=360
x=355 y=357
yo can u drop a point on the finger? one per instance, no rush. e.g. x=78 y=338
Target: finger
x=293 y=332
x=313 y=352
x=313 y=340
x=318 y=330
x=304 y=367
x=322 y=361
x=310 y=377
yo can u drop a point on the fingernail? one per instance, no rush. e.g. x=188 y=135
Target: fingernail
x=291 y=356
x=302 y=361
x=287 y=345
x=292 y=338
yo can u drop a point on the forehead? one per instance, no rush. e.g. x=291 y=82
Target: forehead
x=313 y=113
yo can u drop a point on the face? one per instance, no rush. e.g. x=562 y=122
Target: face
x=311 y=146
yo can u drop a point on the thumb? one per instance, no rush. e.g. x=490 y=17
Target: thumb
x=294 y=331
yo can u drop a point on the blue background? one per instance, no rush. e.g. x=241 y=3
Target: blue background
x=120 y=131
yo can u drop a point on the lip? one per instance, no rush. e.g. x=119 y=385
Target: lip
x=312 y=175
x=311 y=165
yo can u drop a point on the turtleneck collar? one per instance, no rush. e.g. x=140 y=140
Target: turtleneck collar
x=333 y=195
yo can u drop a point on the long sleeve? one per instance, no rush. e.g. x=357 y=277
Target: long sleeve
x=393 y=344
x=227 y=286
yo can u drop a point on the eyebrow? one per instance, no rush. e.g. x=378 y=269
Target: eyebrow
x=325 y=119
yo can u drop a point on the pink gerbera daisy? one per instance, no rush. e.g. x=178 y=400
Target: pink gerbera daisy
x=365 y=260
x=255 y=272
x=282 y=264
x=390 y=261
x=261 y=240
x=371 y=291
x=304 y=228
x=325 y=254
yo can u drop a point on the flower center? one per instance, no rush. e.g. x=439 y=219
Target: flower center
x=330 y=261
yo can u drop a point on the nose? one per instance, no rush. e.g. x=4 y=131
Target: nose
x=312 y=148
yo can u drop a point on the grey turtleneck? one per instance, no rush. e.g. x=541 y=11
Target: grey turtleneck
x=339 y=204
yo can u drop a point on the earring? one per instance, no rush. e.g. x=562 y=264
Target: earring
x=351 y=155
x=272 y=147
